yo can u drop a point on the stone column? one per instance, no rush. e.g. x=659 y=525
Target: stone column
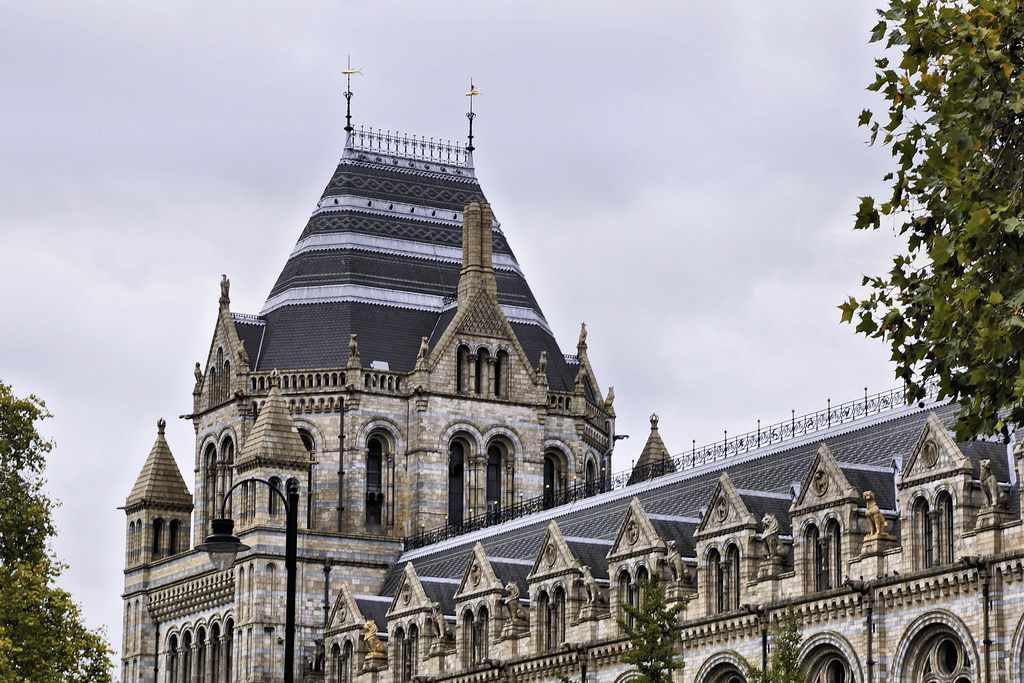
x=492 y=386
x=471 y=387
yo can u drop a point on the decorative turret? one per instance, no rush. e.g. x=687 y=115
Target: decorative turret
x=158 y=508
x=654 y=458
x=274 y=438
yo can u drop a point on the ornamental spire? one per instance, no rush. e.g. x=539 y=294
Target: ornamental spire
x=473 y=92
x=348 y=93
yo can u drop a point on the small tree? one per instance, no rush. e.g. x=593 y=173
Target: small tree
x=653 y=631
x=784 y=666
x=42 y=636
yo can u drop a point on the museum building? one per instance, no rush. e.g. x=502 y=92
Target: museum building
x=458 y=517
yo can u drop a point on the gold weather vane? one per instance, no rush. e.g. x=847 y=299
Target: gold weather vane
x=473 y=92
x=349 y=72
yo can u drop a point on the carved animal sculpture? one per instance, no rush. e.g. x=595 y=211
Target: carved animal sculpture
x=770 y=535
x=515 y=609
x=675 y=563
x=879 y=525
x=994 y=494
x=374 y=648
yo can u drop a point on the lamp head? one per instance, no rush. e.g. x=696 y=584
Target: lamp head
x=222 y=545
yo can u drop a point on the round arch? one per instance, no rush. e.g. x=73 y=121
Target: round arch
x=831 y=640
x=225 y=434
x=725 y=658
x=503 y=433
x=932 y=619
x=382 y=426
x=315 y=433
x=464 y=429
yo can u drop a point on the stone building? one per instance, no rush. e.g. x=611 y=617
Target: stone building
x=459 y=520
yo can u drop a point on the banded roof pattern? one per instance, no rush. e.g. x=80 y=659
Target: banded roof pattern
x=764 y=479
x=380 y=258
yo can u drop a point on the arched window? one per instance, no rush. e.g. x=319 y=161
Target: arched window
x=558 y=618
x=398 y=655
x=718 y=583
x=374 y=480
x=456 y=460
x=817 y=569
x=210 y=484
x=346 y=662
x=494 y=458
x=828 y=665
x=625 y=594
x=924 y=533
x=334 y=672
x=480 y=636
x=173 y=530
x=215 y=654
x=545 y=621
x=550 y=480
x=731 y=578
x=172 y=659
x=229 y=643
x=307 y=442
x=201 y=655
x=941 y=658
x=186 y=654
x=833 y=544
x=726 y=673
x=158 y=528
x=273 y=500
x=591 y=477
x=944 y=508
x=406 y=653
x=468 y=640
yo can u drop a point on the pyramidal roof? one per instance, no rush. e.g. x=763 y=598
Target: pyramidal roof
x=380 y=257
x=274 y=436
x=160 y=483
x=654 y=452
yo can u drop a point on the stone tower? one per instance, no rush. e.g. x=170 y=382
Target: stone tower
x=159 y=512
x=403 y=374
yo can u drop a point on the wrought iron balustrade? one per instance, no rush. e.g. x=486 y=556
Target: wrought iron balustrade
x=795 y=427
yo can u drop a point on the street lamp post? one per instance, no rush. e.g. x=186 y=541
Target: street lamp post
x=223 y=546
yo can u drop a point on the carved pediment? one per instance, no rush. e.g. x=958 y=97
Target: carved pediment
x=479 y=576
x=409 y=596
x=935 y=454
x=554 y=556
x=726 y=511
x=345 y=614
x=824 y=485
x=636 y=535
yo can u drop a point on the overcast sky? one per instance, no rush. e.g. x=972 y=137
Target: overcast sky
x=680 y=176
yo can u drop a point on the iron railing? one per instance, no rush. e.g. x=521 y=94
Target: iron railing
x=410 y=147
x=795 y=427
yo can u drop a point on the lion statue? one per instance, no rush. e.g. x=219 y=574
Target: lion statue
x=994 y=494
x=511 y=600
x=374 y=648
x=879 y=525
x=770 y=536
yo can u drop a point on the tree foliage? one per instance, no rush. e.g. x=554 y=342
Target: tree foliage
x=42 y=635
x=951 y=307
x=653 y=631
x=784 y=665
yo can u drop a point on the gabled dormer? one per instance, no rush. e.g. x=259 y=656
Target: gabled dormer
x=634 y=557
x=410 y=603
x=827 y=525
x=478 y=608
x=227 y=363
x=726 y=532
x=553 y=580
x=478 y=353
x=158 y=509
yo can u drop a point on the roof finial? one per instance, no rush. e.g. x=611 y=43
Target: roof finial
x=473 y=92
x=348 y=93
